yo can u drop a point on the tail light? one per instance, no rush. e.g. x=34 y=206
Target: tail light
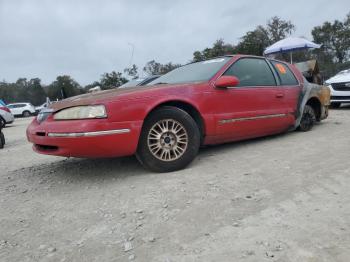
x=5 y=109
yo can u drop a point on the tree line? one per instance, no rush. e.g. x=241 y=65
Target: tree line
x=333 y=56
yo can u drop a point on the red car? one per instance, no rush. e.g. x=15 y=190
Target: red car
x=220 y=100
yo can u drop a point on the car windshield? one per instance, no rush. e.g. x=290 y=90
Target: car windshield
x=134 y=82
x=195 y=72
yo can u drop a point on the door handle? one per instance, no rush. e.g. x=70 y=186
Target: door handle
x=279 y=95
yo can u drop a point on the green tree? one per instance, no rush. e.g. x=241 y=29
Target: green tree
x=256 y=41
x=278 y=29
x=23 y=91
x=335 y=39
x=36 y=93
x=8 y=92
x=132 y=71
x=63 y=87
x=219 y=48
x=154 y=68
x=112 y=80
x=253 y=42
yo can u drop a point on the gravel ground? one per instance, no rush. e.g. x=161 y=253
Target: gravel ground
x=280 y=198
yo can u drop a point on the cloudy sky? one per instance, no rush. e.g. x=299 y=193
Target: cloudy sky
x=85 y=38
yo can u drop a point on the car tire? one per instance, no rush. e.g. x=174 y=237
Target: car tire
x=2 y=140
x=308 y=119
x=2 y=122
x=26 y=114
x=169 y=140
x=335 y=105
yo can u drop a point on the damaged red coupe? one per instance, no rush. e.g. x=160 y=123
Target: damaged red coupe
x=215 y=101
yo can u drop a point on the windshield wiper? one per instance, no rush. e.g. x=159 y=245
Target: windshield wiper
x=161 y=83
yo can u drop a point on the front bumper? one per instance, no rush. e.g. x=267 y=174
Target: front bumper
x=339 y=96
x=93 y=138
x=340 y=99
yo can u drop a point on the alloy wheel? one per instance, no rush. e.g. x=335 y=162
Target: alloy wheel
x=167 y=140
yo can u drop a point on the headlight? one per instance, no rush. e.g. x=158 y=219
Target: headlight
x=44 y=114
x=81 y=112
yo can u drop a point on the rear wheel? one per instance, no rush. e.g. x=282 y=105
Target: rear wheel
x=26 y=114
x=169 y=140
x=2 y=139
x=308 y=119
x=335 y=105
x=2 y=122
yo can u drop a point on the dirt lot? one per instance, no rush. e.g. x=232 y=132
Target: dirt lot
x=281 y=198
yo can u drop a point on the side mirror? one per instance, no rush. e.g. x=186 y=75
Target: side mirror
x=226 y=81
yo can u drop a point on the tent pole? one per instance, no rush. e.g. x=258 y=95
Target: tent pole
x=291 y=57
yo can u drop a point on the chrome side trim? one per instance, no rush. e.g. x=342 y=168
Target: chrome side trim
x=232 y=120
x=88 y=134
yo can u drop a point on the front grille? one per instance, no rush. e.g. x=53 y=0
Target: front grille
x=345 y=86
x=46 y=148
x=340 y=97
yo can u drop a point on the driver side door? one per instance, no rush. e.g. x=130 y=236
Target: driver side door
x=256 y=107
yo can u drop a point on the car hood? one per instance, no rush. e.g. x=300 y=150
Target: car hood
x=106 y=96
x=343 y=76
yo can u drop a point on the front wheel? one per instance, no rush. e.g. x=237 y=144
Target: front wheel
x=308 y=119
x=169 y=140
x=26 y=114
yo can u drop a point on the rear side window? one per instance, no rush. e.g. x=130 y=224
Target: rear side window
x=252 y=72
x=285 y=74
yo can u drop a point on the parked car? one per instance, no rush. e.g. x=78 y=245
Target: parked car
x=22 y=109
x=6 y=117
x=140 y=81
x=220 y=100
x=340 y=88
x=39 y=108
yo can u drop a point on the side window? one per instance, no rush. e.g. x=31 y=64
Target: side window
x=252 y=72
x=285 y=74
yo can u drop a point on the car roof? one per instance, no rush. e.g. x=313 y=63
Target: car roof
x=240 y=55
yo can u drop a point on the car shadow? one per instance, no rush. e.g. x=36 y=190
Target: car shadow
x=342 y=107
x=92 y=169
x=222 y=148
x=77 y=170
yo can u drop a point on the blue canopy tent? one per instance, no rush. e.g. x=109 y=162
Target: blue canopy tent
x=290 y=44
